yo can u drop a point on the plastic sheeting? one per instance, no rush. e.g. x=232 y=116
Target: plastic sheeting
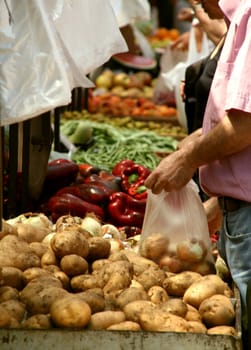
x=130 y=11
x=48 y=48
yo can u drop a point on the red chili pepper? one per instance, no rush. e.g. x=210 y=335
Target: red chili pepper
x=67 y=203
x=93 y=193
x=125 y=210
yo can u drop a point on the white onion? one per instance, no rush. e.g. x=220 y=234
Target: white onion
x=92 y=226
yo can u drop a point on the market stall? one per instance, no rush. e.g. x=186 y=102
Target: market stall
x=81 y=267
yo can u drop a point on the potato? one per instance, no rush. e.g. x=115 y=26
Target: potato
x=124 y=326
x=17 y=253
x=7 y=293
x=13 y=277
x=15 y=308
x=130 y=294
x=204 y=288
x=133 y=309
x=81 y=283
x=116 y=276
x=154 y=246
x=49 y=258
x=192 y=314
x=157 y=295
x=105 y=319
x=38 y=248
x=5 y=318
x=69 y=242
x=157 y=320
x=34 y=272
x=153 y=276
x=73 y=265
x=39 y=321
x=196 y=327
x=98 y=264
x=70 y=311
x=30 y=233
x=63 y=278
x=40 y=292
x=94 y=298
x=217 y=310
x=225 y=330
x=140 y=264
x=175 y=306
x=177 y=284
x=118 y=256
x=99 y=248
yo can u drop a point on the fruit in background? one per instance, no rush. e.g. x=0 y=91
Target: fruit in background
x=121 y=79
x=105 y=79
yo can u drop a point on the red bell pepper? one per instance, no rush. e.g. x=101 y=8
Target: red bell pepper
x=67 y=203
x=119 y=168
x=87 y=169
x=60 y=173
x=112 y=183
x=125 y=210
x=93 y=193
x=133 y=179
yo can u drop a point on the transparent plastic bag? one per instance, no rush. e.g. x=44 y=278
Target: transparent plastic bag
x=175 y=231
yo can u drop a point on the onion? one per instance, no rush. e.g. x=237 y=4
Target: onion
x=92 y=225
x=111 y=231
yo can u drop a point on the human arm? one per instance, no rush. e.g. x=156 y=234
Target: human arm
x=213 y=25
x=230 y=136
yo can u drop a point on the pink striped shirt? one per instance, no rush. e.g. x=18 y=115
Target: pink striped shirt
x=231 y=89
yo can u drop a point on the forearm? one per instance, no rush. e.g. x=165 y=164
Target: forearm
x=230 y=136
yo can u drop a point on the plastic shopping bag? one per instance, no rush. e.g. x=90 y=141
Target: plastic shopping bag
x=128 y=12
x=33 y=76
x=94 y=26
x=175 y=231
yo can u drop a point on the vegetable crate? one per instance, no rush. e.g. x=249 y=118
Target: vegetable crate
x=58 y=339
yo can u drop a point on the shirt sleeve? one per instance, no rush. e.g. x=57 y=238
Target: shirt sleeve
x=238 y=57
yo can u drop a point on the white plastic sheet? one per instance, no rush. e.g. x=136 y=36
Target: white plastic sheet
x=130 y=11
x=88 y=30
x=48 y=48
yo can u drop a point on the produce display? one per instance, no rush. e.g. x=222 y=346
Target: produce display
x=81 y=274
x=123 y=94
x=107 y=144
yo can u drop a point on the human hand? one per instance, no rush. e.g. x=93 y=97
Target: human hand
x=172 y=173
x=181 y=43
x=185 y=14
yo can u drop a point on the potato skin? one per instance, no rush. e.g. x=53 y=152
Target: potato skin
x=73 y=265
x=99 y=248
x=38 y=321
x=105 y=319
x=177 y=284
x=13 y=277
x=69 y=242
x=217 y=310
x=70 y=311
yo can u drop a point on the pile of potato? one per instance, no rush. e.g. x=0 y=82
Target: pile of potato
x=62 y=276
